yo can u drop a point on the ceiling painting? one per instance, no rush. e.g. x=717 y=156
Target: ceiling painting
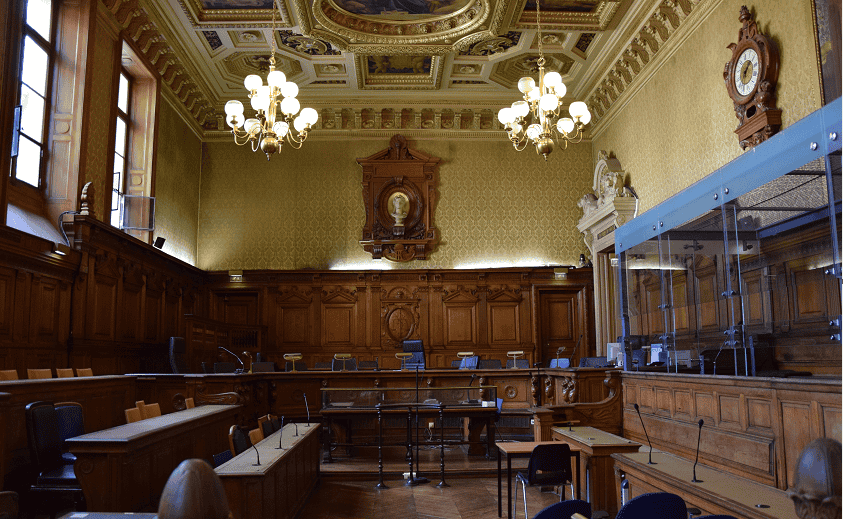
x=402 y=9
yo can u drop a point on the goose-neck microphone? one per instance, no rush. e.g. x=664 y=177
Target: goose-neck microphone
x=650 y=462
x=258 y=454
x=695 y=480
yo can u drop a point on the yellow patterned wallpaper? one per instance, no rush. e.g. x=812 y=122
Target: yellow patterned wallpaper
x=304 y=208
x=178 y=173
x=680 y=126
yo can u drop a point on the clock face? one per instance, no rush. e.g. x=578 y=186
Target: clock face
x=746 y=72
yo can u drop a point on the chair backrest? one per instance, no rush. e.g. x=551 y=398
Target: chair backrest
x=255 y=436
x=39 y=373
x=133 y=415
x=71 y=419
x=322 y=366
x=550 y=464
x=151 y=410
x=518 y=363
x=456 y=363
x=266 y=428
x=224 y=367
x=565 y=509
x=489 y=364
x=222 y=457
x=416 y=347
x=9 y=374
x=559 y=363
x=84 y=372
x=593 y=362
x=205 y=368
x=300 y=365
x=276 y=425
x=238 y=441
x=469 y=362
x=370 y=365
x=264 y=367
x=188 y=403
x=178 y=351
x=42 y=431
x=64 y=372
x=9 y=505
x=350 y=365
x=657 y=504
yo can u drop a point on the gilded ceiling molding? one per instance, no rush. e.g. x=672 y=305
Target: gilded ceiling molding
x=649 y=48
x=570 y=21
x=228 y=18
x=144 y=33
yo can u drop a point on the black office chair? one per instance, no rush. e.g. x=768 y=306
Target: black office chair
x=348 y=364
x=550 y=465
x=263 y=367
x=222 y=457
x=721 y=516
x=300 y=365
x=178 y=355
x=370 y=365
x=276 y=425
x=456 y=363
x=238 y=441
x=518 y=363
x=224 y=367
x=266 y=427
x=564 y=510
x=416 y=347
x=657 y=504
x=594 y=362
x=469 y=362
x=489 y=364
x=559 y=363
x=55 y=483
x=71 y=423
x=322 y=366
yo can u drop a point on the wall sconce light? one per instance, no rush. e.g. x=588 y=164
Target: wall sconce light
x=159 y=242
x=560 y=274
x=61 y=249
x=235 y=276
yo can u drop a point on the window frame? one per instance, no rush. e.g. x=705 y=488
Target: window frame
x=127 y=119
x=48 y=46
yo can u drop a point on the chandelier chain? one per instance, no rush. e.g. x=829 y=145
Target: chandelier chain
x=539 y=25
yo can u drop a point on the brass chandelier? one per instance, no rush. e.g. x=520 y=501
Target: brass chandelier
x=537 y=118
x=268 y=129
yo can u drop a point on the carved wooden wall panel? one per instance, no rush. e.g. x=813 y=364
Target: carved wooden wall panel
x=7 y=293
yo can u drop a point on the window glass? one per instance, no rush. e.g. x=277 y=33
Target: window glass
x=39 y=15
x=120 y=137
x=35 y=66
x=28 y=165
x=32 y=113
x=118 y=170
x=123 y=94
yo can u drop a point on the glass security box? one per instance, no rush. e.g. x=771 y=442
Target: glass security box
x=740 y=273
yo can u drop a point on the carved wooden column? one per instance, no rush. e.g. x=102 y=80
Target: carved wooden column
x=399 y=191
x=610 y=205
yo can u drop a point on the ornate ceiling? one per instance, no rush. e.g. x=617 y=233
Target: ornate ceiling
x=397 y=64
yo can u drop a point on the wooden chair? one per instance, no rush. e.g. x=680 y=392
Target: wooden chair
x=64 y=372
x=39 y=373
x=150 y=410
x=237 y=441
x=265 y=425
x=188 y=403
x=84 y=372
x=133 y=415
x=9 y=374
x=255 y=436
x=9 y=505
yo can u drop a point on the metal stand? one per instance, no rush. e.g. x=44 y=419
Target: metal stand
x=442 y=483
x=381 y=485
x=413 y=480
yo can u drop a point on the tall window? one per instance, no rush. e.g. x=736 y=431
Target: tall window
x=121 y=146
x=36 y=63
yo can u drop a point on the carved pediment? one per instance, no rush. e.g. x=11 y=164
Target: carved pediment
x=504 y=294
x=460 y=294
x=397 y=294
x=339 y=295
x=294 y=295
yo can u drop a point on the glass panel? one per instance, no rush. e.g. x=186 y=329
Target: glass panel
x=120 y=137
x=35 y=66
x=39 y=15
x=643 y=286
x=28 y=164
x=32 y=113
x=115 y=200
x=115 y=218
x=123 y=94
x=117 y=181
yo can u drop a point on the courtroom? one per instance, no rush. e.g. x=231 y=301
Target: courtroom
x=533 y=259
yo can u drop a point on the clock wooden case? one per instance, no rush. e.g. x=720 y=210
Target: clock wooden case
x=399 y=192
x=751 y=77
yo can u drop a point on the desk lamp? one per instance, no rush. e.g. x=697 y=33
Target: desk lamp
x=343 y=357
x=403 y=356
x=249 y=356
x=465 y=355
x=292 y=357
x=515 y=355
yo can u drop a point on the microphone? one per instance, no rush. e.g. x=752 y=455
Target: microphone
x=306 y=407
x=258 y=454
x=468 y=399
x=645 y=433
x=695 y=480
x=281 y=436
x=242 y=366
x=576 y=346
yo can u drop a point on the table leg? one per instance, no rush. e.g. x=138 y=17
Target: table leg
x=328 y=458
x=577 y=456
x=508 y=486
x=500 y=504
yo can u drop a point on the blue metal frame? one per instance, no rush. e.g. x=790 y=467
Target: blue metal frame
x=802 y=142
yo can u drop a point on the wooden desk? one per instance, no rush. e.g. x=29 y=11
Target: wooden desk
x=126 y=467
x=597 y=447
x=281 y=484
x=116 y=515
x=523 y=450
x=719 y=492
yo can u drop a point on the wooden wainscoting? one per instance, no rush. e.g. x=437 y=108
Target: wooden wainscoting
x=753 y=427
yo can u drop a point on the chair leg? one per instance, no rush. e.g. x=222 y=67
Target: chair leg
x=515 y=501
x=524 y=491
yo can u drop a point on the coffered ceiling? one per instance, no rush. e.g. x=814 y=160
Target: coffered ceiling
x=396 y=64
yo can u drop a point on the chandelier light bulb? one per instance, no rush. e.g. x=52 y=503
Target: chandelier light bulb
x=310 y=115
x=290 y=105
x=276 y=78
x=525 y=84
x=578 y=109
x=280 y=128
x=565 y=125
x=560 y=90
x=548 y=102
x=505 y=115
x=552 y=80
x=533 y=131
x=233 y=107
x=586 y=118
x=516 y=128
x=299 y=123
x=252 y=125
x=289 y=89
x=252 y=82
x=534 y=94
x=521 y=108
